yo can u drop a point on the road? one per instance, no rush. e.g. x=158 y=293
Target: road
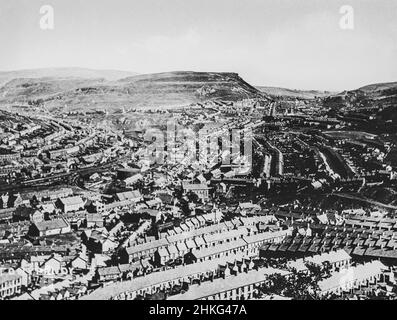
x=369 y=201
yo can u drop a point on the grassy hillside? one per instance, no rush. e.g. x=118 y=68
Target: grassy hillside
x=142 y=91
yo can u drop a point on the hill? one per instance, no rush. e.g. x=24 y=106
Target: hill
x=141 y=91
x=277 y=92
x=379 y=100
x=85 y=73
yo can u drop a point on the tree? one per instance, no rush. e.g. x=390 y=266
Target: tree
x=192 y=197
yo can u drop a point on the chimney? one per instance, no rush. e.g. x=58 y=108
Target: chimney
x=4 y=198
x=382 y=245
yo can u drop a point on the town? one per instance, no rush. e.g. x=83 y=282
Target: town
x=272 y=198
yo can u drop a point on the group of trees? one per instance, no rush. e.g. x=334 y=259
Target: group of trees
x=298 y=285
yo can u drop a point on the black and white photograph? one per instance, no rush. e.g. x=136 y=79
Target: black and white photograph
x=217 y=151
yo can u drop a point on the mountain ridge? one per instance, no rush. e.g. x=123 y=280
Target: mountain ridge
x=62 y=72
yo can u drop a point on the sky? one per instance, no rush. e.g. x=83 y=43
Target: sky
x=288 y=43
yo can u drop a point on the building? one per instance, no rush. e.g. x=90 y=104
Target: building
x=201 y=190
x=49 y=228
x=94 y=220
x=139 y=251
x=51 y=194
x=249 y=245
x=71 y=204
x=53 y=265
x=100 y=243
x=241 y=286
x=134 y=196
x=6 y=215
x=10 y=285
x=167 y=278
x=336 y=259
x=353 y=277
x=79 y=263
x=134 y=179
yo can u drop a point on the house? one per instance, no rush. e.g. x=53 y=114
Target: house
x=201 y=190
x=182 y=248
x=134 y=179
x=239 y=286
x=134 y=196
x=352 y=277
x=26 y=276
x=248 y=208
x=10 y=285
x=168 y=278
x=122 y=271
x=154 y=214
x=190 y=224
x=76 y=219
x=201 y=220
x=94 y=220
x=213 y=217
x=203 y=254
x=161 y=256
x=99 y=242
x=35 y=262
x=49 y=228
x=21 y=199
x=108 y=274
x=100 y=260
x=117 y=229
x=139 y=251
x=71 y=204
x=53 y=265
x=50 y=193
x=79 y=262
x=154 y=203
x=173 y=252
x=48 y=207
x=336 y=259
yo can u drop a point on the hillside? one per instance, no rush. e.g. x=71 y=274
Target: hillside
x=379 y=87
x=377 y=100
x=142 y=91
x=292 y=93
x=375 y=96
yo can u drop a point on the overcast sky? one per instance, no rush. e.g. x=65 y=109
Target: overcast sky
x=288 y=43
